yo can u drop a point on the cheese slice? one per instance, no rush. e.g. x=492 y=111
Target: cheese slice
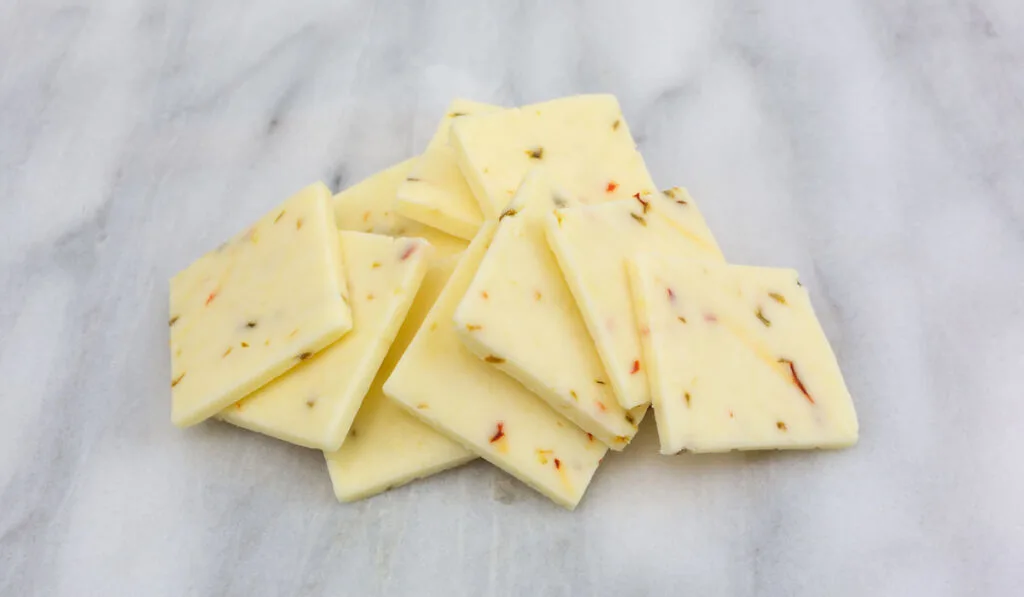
x=583 y=143
x=435 y=192
x=369 y=206
x=519 y=316
x=737 y=359
x=491 y=414
x=592 y=244
x=255 y=307
x=387 y=446
x=313 y=405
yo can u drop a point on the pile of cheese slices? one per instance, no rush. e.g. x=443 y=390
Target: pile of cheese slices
x=520 y=292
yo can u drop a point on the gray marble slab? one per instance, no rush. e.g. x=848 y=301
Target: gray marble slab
x=878 y=147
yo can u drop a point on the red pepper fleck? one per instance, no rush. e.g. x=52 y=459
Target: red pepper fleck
x=612 y=185
x=366 y=216
x=671 y=295
x=485 y=295
x=590 y=436
x=731 y=416
x=796 y=379
x=558 y=464
x=212 y=296
x=500 y=433
x=408 y=251
x=601 y=406
x=636 y=368
x=646 y=204
x=710 y=317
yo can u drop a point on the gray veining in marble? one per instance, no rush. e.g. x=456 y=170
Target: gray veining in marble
x=878 y=147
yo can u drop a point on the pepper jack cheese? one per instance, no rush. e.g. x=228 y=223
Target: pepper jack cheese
x=582 y=141
x=386 y=445
x=737 y=359
x=313 y=405
x=435 y=192
x=369 y=206
x=592 y=244
x=448 y=387
x=519 y=316
x=257 y=306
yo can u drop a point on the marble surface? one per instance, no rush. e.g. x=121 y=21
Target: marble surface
x=875 y=146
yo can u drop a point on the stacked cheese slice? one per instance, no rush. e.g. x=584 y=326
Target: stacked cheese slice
x=369 y=327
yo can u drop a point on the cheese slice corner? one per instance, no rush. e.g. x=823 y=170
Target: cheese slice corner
x=370 y=206
x=314 y=404
x=582 y=141
x=434 y=192
x=488 y=412
x=737 y=359
x=519 y=316
x=592 y=243
x=257 y=306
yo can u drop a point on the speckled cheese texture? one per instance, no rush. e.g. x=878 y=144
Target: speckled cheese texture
x=582 y=141
x=737 y=359
x=256 y=307
x=435 y=192
x=369 y=206
x=519 y=316
x=313 y=405
x=491 y=414
x=592 y=244
x=386 y=446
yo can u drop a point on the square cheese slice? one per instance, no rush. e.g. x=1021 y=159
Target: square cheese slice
x=255 y=307
x=737 y=359
x=369 y=206
x=490 y=413
x=519 y=316
x=583 y=143
x=592 y=244
x=313 y=405
x=386 y=445
x=435 y=192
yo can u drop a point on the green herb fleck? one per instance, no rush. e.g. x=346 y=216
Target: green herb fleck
x=537 y=153
x=493 y=359
x=638 y=218
x=778 y=298
x=763 y=319
x=304 y=355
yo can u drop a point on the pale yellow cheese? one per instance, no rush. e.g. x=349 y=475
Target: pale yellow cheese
x=583 y=143
x=387 y=446
x=313 y=405
x=369 y=206
x=737 y=359
x=448 y=387
x=592 y=244
x=519 y=316
x=255 y=307
x=435 y=192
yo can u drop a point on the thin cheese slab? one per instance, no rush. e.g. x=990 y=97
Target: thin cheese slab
x=592 y=244
x=583 y=142
x=491 y=414
x=257 y=306
x=313 y=405
x=737 y=359
x=369 y=206
x=519 y=316
x=386 y=446
x=435 y=192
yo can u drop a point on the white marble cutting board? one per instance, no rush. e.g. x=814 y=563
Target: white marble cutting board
x=878 y=147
